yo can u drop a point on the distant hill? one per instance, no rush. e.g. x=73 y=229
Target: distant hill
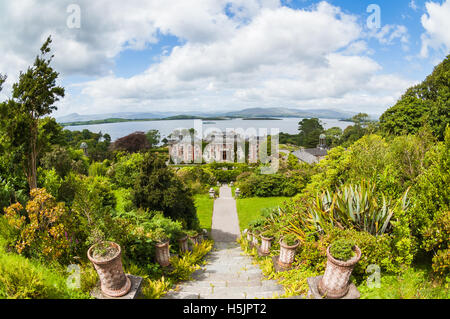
x=75 y=117
x=275 y=112
x=286 y=112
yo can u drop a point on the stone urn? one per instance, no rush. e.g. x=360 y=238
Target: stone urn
x=183 y=243
x=162 y=253
x=255 y=236
x=266 y=243
x=335 y=282
x=287 y=254
x=249 y=236
x=113 y=281
x=195 y=239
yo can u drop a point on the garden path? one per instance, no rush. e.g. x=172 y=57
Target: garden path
x=228 y=274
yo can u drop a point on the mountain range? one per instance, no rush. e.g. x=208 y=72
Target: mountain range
x=246 y=113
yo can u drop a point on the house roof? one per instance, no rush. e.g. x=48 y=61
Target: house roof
x=319 y=152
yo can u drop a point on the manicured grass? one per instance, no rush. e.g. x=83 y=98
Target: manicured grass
x=250 y=208
x=204 y=206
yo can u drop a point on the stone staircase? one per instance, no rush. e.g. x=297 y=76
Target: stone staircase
x=228 y=275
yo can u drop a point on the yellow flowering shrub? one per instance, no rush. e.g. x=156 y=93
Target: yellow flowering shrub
x=40 y=225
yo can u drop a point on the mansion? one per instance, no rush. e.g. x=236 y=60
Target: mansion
x=217 y=147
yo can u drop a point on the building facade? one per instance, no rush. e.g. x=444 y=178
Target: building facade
x=220 y=148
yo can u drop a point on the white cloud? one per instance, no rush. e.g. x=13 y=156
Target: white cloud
x=413 y=5
x=437 y=25
x=260 y=54
x=389 y=33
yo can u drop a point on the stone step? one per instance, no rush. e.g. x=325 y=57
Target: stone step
x=237 y=291
x=234 y=283
x=260 y=295
x=211 y=276
x=180 y=295
x=214 y=268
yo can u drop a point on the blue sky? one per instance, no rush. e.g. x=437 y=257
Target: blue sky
x=215 y=55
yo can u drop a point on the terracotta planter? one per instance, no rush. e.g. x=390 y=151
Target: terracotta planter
x=266 y=243
x=287 y=254
x=183 y=244
x=335 y=281
x=162 y=253
x=113 y=281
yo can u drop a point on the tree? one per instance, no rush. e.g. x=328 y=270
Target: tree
x=157 y=188
x=309 y=132
x=33 y=97
x=361 y=119
x=153 y=137
x=2 y=80
x=425 y=103
x=132 y=143
x=333 y=135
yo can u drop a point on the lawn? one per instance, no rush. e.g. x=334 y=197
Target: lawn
x=250 y=208
x=204 y=206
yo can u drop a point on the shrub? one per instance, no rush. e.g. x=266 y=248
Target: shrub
x=436 y=238
x=290 y=239
x=125 y=170
x=21 y=278
x=42 y=232
x=49 y=180
x=98 y=169
x=355 y=206
x=157 y=188
x=342 y=249
x=132 y=143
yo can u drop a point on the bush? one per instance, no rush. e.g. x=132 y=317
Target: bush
x=21 y=278
x=125 y=170
x=342 y=249
x=141 y=229
x=436 y=238
x=274 y=185
x=98 y=168
x=158 y=188
x=42 y=232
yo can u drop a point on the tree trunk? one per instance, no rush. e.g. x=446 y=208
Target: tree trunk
x=32 y=178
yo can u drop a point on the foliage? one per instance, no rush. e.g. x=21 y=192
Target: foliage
x=158 y=188
x=431 y=194
x=427 y=102
x=342 y=249
x=153 y=137
x=22 y=278
x=413 y=283
x=98 y=143
x=132 y=143
x=274 y=185
x=355 y=206
x=125 y=170
x=59 y=159
x=98 y=168
x=40 y=225
x=91 y=221
x=309 y=132
x=33 y=97
x=436 y=238
x=290 y=239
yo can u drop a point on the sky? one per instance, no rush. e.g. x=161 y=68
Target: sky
x=223 y=55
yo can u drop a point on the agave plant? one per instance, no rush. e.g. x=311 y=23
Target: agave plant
x=355 y=206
